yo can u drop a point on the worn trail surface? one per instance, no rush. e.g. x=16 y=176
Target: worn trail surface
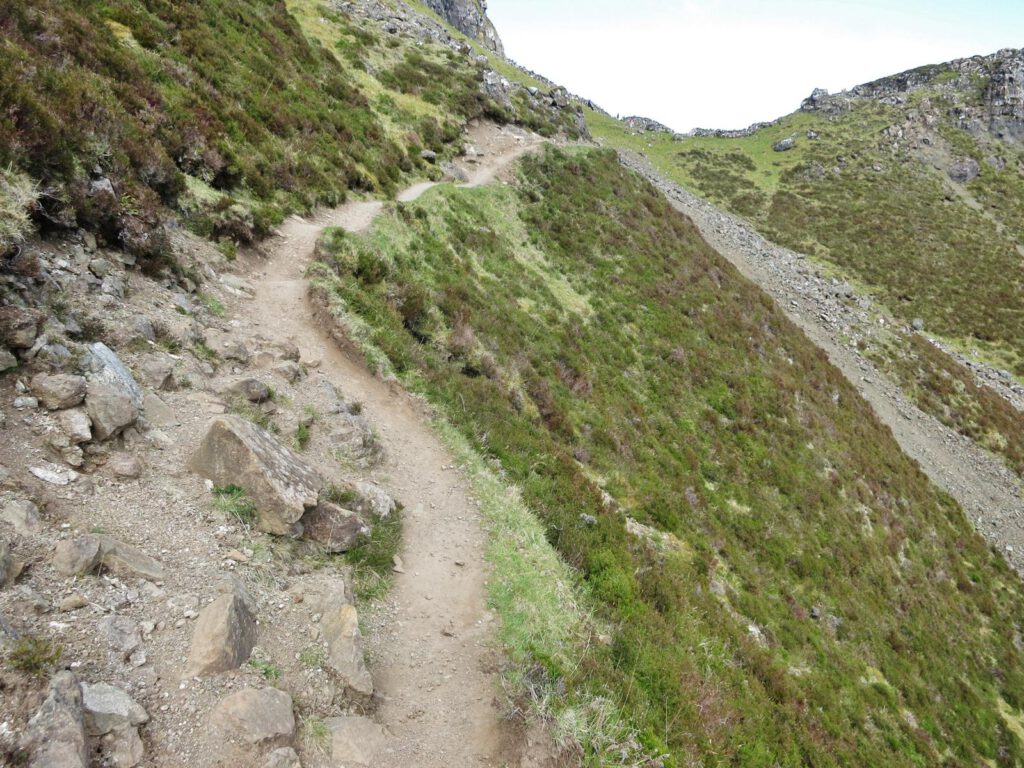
x=989 y=492
x=431 y=649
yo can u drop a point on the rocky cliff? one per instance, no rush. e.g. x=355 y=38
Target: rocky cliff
x=470 y=18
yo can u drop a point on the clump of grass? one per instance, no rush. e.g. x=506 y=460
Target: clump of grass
x=252 y=412
x=339 y=495
x=315 y=735
x=228 y=248
x=17 y=196
x=34 y=655
x=372 y=560
x=201 y=352
x=269 y=670
x=302 y=436
x=233 y=502
x=313 y=657
x=213 y=305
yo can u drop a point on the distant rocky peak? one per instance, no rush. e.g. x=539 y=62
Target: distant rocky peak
x=990 y=90
x=470 y=18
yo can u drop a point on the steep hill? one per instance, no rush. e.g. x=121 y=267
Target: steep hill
x=630 y=514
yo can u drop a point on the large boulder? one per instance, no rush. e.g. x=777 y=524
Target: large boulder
x=260 y=718
x=106 y=368
x=55 y=737
x=59 y=391
x=282 y=485
x=965 y=170
x=19 y=326
x=224 y=636
x=340 y=629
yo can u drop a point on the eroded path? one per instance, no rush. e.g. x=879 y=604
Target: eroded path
x=431 y=650
x=991 y=495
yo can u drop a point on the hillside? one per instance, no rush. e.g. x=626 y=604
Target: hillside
x=908 y=188
x=358 y=410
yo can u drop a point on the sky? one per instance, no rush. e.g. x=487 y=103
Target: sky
x=729 y=63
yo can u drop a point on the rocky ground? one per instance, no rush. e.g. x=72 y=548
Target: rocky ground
x=839 y=320
x=197 y=625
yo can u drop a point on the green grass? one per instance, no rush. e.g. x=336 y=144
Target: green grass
x=313 y=657
x=34 y=655
x=233 y=502
x=372 y=560
x=675 y=393
x=270 y=671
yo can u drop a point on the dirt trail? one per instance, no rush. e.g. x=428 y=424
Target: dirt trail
x=991 y=495
x=432 y=655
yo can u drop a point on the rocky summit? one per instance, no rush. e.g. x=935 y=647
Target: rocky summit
x=368 y=400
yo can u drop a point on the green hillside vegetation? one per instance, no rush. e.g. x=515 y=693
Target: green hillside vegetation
x=893 y=221
x=229 y=114
x=800 y=595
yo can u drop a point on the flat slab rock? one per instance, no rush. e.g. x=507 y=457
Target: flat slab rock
x=85 y=554
x=282 y=485
x=355 y=741
x=260 y=718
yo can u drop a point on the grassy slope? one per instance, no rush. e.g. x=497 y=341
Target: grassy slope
x=891 y=220
x=825 y=604
x=230 y=113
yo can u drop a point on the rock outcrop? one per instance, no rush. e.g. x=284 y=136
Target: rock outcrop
x=470 y=18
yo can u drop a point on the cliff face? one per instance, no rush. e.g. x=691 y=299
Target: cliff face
x=470 y=18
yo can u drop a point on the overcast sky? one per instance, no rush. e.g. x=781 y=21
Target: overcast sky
x=729 y=63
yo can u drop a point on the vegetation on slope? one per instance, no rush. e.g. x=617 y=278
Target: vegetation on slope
x=230 y=113
x=867 y=197
x=796 y=592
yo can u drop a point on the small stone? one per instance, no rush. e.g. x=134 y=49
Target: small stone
x=253 y=390
x=23 y=516
x=262 y=718
x=356 y=741
x=25 y=403
x=9 y=567
x=73 y=603
x=75 y=423
x=335 y=528
x=110 y=409
x=285 y=757
x=224 y=635
x=19 y=327
x=918 y=324
x=108 y=707
x=340 y=627
x=7 y=360
x=122 y=635
x=58 y=391
x=125 y=465
x=54 y=475
x=123 y=747
x=157 y=371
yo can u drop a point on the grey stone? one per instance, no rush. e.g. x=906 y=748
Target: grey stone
x=60 y=391
x=224 y=636
x=100 y=267
x=54 y=475
x=340 y=629
x=78 y=556
x=108 y=707
x=123 y=747
x=253 y=390
x=356 y=741
x=918 y=324
x=25 y=403
x=76 y=424
x=965 y=170
x=23 y=516
x=125 y=465
x=261 y=718
x=335 y=528
x=19 y=326
x=429 y=155
x=285 y=757
x=107 y=368
x=288 y=370
x=158 y=413
x=157 y=371
x=7 y=360
x=143 y=326
x=110 y=409
x=283 y=486
x=9 y=567
x=122 y=635
x=55 y=737
x=85 y=554
x=784 y=145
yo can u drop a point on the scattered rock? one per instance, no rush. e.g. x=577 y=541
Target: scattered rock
x=784 y=145
x=58 y=391
x=72 y=603
x=261 y=718
x=54 y=475
x=85 y=554
x=125 y=465
x=340 y=629
x=110 y=409
x=355 y=741
x=285 y=757
x=23 y=516
x=76 y=424
x=19 y=327
x=335 y=528
x=283 y=486
x=108 y=707
x=7 y=360
x=253 y=390
x=157 y=371
x=123 y=636
x=56 y=733
x=224 y=635
x=965 y=170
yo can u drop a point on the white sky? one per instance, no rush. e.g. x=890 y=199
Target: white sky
x=729 y=63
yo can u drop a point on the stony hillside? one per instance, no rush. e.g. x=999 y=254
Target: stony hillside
x=907 y=190
x=358 y=410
